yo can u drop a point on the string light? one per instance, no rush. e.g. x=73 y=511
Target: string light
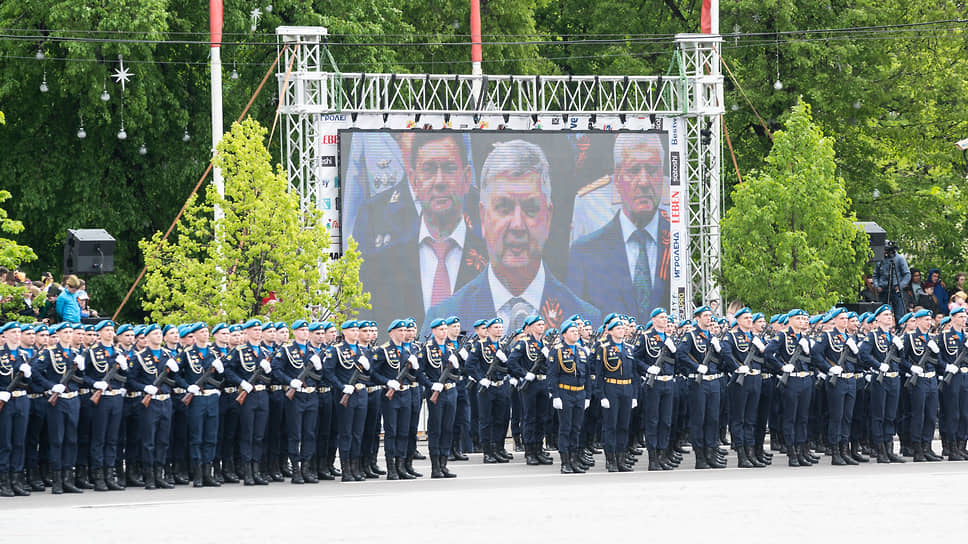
x=122 y=134
x=40 y=54
x=105 y=96
x=186 y=137
x=235 y=72
x=142 y=150
x=43 y=84
x=81 y=133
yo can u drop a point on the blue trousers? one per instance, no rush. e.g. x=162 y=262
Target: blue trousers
x=440 y=422
x=884 y=402
x=203 y=425
x=105 y=432
x=155 y=431
x=62 y=433
x=178 y=443
x=765 y=410
x=276 y=426
x=228 y=426
x=517 y=411
x=570 y=419
x=704 y=410
x=494 y=403
x=37 y=449
x=473 y=408
x=396 y=423
x=253 y=418
x=416 y=400
x=13 y=434
x=615 y=429
x=371 y=427
x=85 y=423
x=302 y=411
x=535 y=405
x=351 y=419
x=324 y=423
x=954 y=407
x=131 y=429
x=924 y=409
x=658 y=413
x=796 y=395
x=462 y=420
x=840 y=409
x=744 y=403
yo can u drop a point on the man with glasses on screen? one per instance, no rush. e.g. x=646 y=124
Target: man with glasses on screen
x=516 y=212
x=440 y=251
x=624 y=266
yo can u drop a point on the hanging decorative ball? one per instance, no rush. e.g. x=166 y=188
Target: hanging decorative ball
x=734 y=107
x=234 y=74
x=81 y=133
x=142 y=150
x=269 y=8
x=122 y=135
x=40 y=54
x=857 y=104
x=778 y=85
x=186 y=136
x=43 y=86
x=105 y=96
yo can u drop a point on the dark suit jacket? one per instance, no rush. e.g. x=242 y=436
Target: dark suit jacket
x=474 y=301
x=387 y=219
x=392 y=276
x=598 y=271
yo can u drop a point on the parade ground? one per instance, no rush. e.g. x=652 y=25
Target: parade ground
x=517 y=503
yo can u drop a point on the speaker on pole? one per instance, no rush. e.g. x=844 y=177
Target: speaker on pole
x=88 y=251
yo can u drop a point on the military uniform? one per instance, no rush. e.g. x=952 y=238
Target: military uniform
x=248 y=364
x=53 y=366
x=154 y=423
x=107 y=412
x=435 y=360
x=388 y=360
x=885 y=389
x=527 y=360
x=954 y=393
x=740 y=356
x=612 y=362
x=704 y=394
x=569 y=380
x=293 y=367
x=493 y=398
x=830 y=352
x=198 y=376
x=919 y=361
x=657 y=352
x=340 y=366
x=15 y=374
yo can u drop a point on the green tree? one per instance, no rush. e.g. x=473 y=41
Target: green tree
x=345 y=296
x=263 y=247
x=12 y=255
x=789 y=239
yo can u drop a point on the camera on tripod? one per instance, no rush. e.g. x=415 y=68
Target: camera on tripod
x=890 y=250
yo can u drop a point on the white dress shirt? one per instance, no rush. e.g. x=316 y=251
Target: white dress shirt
x=428 y=259
x=531 y=295
x=632 y=244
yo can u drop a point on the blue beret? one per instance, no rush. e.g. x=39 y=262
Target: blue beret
x=368 y=324
x=249 y=324
x=881 y=309
x=576 y=318
x=774 y=318
x=167 y=328
x=957 y=310
x=796 y=312
x=282 y=325
x=613 y=324
x=608 y=318
x=86 y=328
x=757 y=316
x=410 y=322
x=300 y=323
x=532 y=319
x=783 y=319
x=150 y=328
x=41 y=328
x=326 y=325
x=721 y=320
x=834 y=313
x=104 y=323
x=350 y=324
x=495 y=321
x=904 y=318
x=815 y=319
x=138 y=330
x=701 y=309
x=944 y=321
x=921 y=313
x=732 y=323
x=314 y=326
x=684 y=323
x=184 y=330
x=741 y=311
x=235 y=327
x=452 y=319
x=219 y=327
x=439 y=322
x=588 y=323
x=9 y=325
x=480 y=323
x=396 y=324
x=200 y=325
x=852 y=315
x=268 y=325
x=658 y=311
x=567 y=325
x=57 y=327
x=870 y=318
x=26 y=327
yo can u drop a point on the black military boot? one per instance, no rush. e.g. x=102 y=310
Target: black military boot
x=275 y=469
x=456 y=454
x=435 y=467
x=410 y=469
x=297 y=475
x=56 y=482
x=118 y=473
x=795 y=458
x=208 y=476
x=197 y=475
x=111 y=479
x=285 y=467
x=835 y=456
x=611 y=464
x=856 y=454
x=97 y=475
x=929 y=453
x=19 y=484
x=723 y=438
x=392 y=468
x=882 y=453
x=168 y=473
x=529 y=455
x=701 y=462
x=180 y=473
x=82 y=479
x=666 y=460
x=307 y=470
x=417 y=455
x=751 y=456
x=148 y=477
x=845 y=454
x=229 y=473
x=917 y=452
x=160 y=479
x=743 y=461
x=347 y=471
x=954 y=454
x=257 y=475
x=45 y=474
x=443 y=468
x=714 y=459
x=248 y=475
x=69 y=480
x=489 y=457
x=332 y=466
x=36 y=481
x=356 y=466
x=374 y=467
x=401 y=465
x=541 y=455
x=6 y=489
x=566 y=467
x=518 y=444
x=574 y=459
x=502 y=453
x=653 y=459
x=367 y=468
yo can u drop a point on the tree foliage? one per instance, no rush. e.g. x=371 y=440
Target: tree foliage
x=789 y=239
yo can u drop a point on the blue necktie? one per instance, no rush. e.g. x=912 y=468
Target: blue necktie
x=642 y=275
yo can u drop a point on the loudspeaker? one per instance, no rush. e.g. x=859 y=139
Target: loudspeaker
x=88 y=251
x=878 y=239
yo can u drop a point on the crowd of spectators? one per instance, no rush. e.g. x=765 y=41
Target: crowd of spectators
x=45 y=300
x=911 y=289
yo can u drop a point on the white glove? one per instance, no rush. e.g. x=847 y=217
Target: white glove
x=194 y=389
x=58 y=388
x=702 y=369
x=868 y=378
x=501 y=356
x=715 y=343
x=122 y=362
x=463 y=353
x=884 y=367
x=835 y=370
x=743 y=369
x=759 y=344
x=556 y=403
x=588 y=403
x=916 y=370
x=788 y=368
x=805 y=345
x=79 y=362
x=246 y=386
x=852 y=345
x=295 y=384
x=485 y=383
x=529 y=377
x=317 y=363
x=393 y=384
x=348 y=389
x=635 y=402
x=437 y=387
x=951 y=369
x=412 y=360
x=151 y=390
x=654 y=370
x=670 y=344
x=101 y=385
x=266 y=367
x=605 y=404
x=218 y=366
x=898 y=342
x=934 y=346
x=123 y=391
x=25 y=368
x=514 y=381
x=172 y=365
x=4 y=396
x=545 y=352
x=454 y=361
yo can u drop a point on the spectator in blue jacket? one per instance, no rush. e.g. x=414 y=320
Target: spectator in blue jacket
x=67 y=306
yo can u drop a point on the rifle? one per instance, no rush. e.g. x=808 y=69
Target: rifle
x=403 y=374
x=161 y=379
x=357 y=375
x=840 y=363
x=706 y=358
x=795 y=361
x=65 y=379
x=913 y=380
x=447 y=374
x=111 y=375
x=307 y=372
x=948 y=376
x=205 y=379
x=495 y=366
x=665 y=356
x=538 y=363
x=892 y=354
x=750 y=357
x=256 y=377
x=16 y=382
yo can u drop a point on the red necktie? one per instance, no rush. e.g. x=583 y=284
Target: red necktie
x=441 y=287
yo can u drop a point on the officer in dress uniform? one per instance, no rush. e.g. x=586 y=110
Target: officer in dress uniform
x=788 y=355
x=657 y=352
x=148 y=374
x=374 y=397
x=921 y=362
x=528 y=363
x=329 y=337
x=391 y=361
x=300 y=370
x=343 y=366
x=829 y=356
x=324 y=403
x=274 y=456
x=416 y=400
x=175 y=339
x=131 y=414
x=569 y=380
x=228 y=411
x=200 y=365
x=85 y=421
x=612 y=362
x=462 y=417
x=15 y=373
x=696 y=355
x=101 y=359
x=38 y=468
x=741 y=357
x=439 y=370
x=885 y=387
x=493 y=395
x=473 y=388
x=53 y=371
x=249 y=368
x=953 y=393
